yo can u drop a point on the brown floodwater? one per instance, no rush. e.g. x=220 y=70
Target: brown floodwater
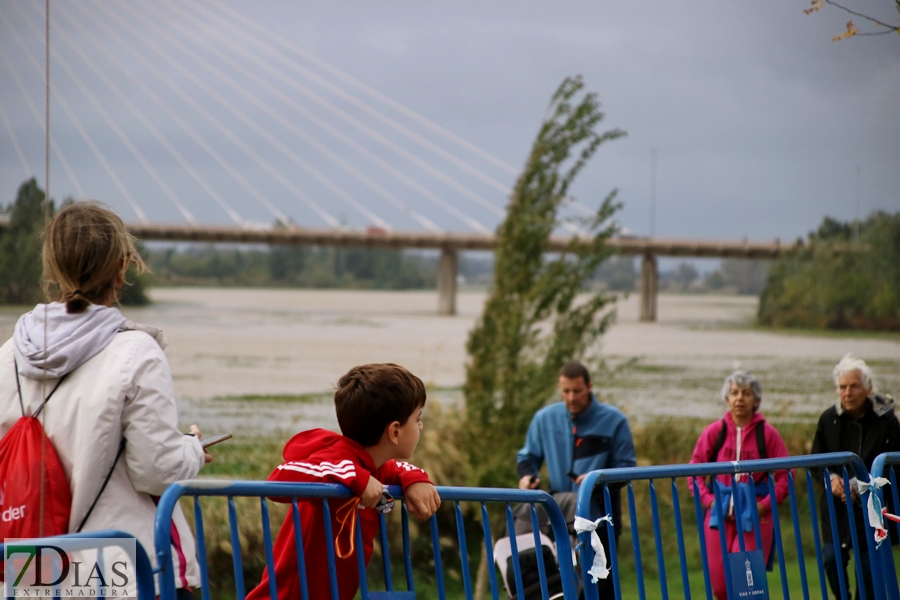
x=226 y=345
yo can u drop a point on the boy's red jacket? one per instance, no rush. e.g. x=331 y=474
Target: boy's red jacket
x=320 y=456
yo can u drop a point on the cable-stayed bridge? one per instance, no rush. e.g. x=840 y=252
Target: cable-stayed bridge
x=196 y=115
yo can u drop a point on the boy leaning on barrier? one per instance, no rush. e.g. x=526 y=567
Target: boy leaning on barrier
x=379 y=410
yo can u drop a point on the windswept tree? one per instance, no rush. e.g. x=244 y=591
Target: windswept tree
x=538 y=314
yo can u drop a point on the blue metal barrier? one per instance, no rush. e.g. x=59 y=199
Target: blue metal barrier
x=883 y=466
x=143 y=569
x=845 y=464
x=307 y=491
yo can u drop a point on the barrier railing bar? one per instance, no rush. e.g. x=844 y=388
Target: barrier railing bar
x=298 y=546
x=657 y=537
x=835 y=541
x=489 y=550
x=776 y=534
x=887 y=565
x=814 y=516
x=679 y=532
x=385 y=553
x=723 y=542
x=463 y=552
x=635 y=542
x=701 y=535
x=360 y=555
x=438 y=564
x=611 y=538
x=236 y=550
x=738 y=503
x=860 y=576
x=754 y=514
x=329 y=549
x=539 y=553
x=798 y=541
x=882 y=461
x=407 y=550
x=267 y=544
x=514 y=548
x=201 y=550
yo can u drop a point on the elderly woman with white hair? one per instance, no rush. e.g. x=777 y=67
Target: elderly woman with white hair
x=742 y=434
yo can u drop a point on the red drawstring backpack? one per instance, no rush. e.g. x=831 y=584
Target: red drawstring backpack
x=30 y=468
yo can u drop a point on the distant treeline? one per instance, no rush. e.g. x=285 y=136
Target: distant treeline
x=300 y=266
x=857 y=287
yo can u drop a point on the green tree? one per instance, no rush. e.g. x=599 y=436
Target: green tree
x=536 y=317
x=20 y=246
x=836 y=283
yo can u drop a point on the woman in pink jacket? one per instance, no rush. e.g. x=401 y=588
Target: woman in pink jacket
x=742 y=434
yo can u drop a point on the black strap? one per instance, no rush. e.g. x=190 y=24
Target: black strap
x=720 y=441
x=761 y=440
x=102 y=487
x=19 y=389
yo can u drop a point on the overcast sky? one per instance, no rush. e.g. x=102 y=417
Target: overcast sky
x=758 y=119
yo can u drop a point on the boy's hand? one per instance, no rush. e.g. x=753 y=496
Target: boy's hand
x=372 y=494
x=422 y=500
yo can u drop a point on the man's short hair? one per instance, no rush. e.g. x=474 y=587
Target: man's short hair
x=849 y=364
x=371 y=397
x=574 y=370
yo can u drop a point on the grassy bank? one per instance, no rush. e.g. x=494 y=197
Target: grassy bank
x=659 y=441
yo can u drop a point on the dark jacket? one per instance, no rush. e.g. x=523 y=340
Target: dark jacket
x=877 y=431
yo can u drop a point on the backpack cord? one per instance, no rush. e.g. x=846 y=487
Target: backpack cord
x=44 y=403
x=102 y=487
x=37 y=412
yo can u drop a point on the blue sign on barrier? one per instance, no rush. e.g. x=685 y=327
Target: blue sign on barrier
x=748 y=575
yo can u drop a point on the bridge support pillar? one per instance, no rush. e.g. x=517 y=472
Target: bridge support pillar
x=446 y=281
x=649 y=280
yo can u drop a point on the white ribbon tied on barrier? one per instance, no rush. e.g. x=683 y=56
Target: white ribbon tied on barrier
x=874 y=509
x=598 y=569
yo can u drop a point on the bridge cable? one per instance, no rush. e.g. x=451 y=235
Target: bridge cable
x=334 y=132
x=123 y=98
x=70 y=173
x=367 y=181
x=265 y=47
x=270 y=36
x=411 y=157
x=290 y=125
x=73 y=118
x=299 y=161
x=280 y=216
x=15 y=141
x=142 y=160
x=152 y=95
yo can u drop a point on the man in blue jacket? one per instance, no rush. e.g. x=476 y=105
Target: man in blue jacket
x=574 y=437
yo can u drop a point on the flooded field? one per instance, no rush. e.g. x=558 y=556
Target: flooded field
x=259 y=361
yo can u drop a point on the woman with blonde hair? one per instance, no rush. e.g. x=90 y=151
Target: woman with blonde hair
x=112 y=418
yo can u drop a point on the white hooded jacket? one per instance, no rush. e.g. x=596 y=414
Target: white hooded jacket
x=118 y=386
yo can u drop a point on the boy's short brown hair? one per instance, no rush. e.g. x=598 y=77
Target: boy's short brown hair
x=371 y=397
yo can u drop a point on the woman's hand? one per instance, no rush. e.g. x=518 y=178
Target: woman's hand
x=195 y=431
